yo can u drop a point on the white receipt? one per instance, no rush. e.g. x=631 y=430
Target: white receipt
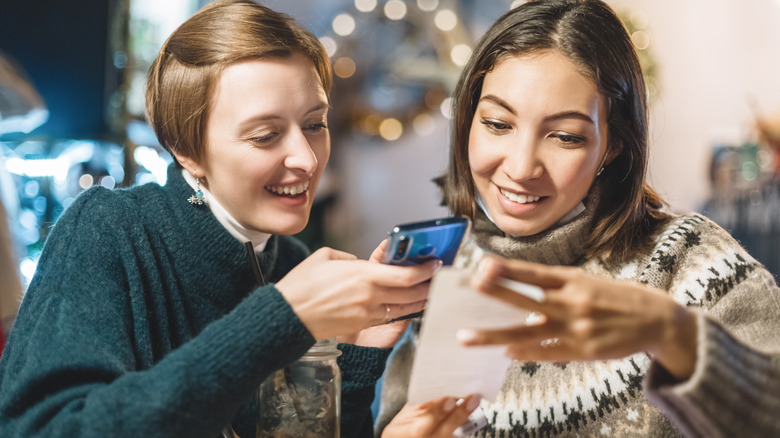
x=442 y=365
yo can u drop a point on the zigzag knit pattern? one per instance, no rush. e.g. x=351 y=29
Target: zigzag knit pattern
x=692 y=260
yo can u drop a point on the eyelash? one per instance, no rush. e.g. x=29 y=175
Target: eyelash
x=496 y=126
x=314 y=127
x=501 y=128
x=569 y=139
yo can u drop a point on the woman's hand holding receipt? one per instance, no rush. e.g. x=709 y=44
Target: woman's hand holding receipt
x=584 y=317
x=434 y=419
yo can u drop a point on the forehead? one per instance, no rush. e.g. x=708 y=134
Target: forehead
x=275 y=81
x=542 y=79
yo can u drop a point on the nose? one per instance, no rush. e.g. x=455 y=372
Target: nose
x=300 y=155
x=522 y=160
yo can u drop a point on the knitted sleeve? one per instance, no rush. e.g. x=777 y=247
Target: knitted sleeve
x=72 y=367
x=361 y=367
x=735 y=387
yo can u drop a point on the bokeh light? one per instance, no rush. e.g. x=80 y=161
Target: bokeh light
x=424 y=124
x=391 y=129
x=86 y=181
x=395 y=9
x=330 y=45
x=344 y=67
x=343 y=24
x=460 y=54
x=445 y=20
x=446 y=108
x=427 y=5
x=641 y=39
x=365 y=5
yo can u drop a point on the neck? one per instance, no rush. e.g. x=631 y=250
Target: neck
x=561 y=244
x=240 y=232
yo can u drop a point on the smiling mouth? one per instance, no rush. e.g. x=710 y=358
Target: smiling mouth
x=520 y=199
x=289 y=190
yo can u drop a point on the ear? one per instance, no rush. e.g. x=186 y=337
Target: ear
x=612 y=153
x=190 y=164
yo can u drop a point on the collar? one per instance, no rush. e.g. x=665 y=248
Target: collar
x=561 y=244
x=240 y=232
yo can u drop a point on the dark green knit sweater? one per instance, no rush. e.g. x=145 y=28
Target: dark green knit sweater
x=144 y=320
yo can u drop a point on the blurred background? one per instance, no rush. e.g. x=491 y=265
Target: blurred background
x=72 y=88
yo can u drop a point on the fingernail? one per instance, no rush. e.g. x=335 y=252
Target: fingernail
x=466 y=336
x=473 y=402
x=450 y=404
x=437 y=265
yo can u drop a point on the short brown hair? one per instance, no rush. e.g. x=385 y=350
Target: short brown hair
x=590 y=34
x=182 y=78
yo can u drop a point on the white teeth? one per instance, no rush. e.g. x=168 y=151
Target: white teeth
x=289 y=190
x=520 y=199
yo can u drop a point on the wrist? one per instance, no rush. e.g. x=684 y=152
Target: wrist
x=676 y=349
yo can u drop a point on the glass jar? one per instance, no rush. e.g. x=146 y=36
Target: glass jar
x=304 y=398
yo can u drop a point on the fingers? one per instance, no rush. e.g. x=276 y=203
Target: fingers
x=537 y=274
x=402 y=276
x=463 y=408
x=326 y=253
x=528 y=333
x=402 y=310
x=395 y=295
x=435 y=419
x=376 y=256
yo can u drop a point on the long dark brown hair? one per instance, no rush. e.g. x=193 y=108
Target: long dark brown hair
x=591 y=35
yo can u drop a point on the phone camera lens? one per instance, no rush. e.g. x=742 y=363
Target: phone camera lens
x=403 y=244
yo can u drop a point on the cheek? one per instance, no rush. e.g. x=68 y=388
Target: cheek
x=571 y=172
x=479 y=155
x=482 y=159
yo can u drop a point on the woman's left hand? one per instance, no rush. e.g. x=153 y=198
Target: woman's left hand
x=434 y=419
x=585 y=317
x=382 y=336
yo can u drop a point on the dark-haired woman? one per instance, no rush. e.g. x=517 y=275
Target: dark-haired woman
x=652 y=323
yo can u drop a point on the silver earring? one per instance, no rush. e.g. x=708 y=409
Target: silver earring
x=601 y=169
x=197 y=198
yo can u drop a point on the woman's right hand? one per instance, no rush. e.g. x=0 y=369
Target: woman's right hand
x=434 y=419
x=334 y=293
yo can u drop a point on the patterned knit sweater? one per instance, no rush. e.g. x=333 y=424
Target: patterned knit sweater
x=734 y=390
x=144 y=320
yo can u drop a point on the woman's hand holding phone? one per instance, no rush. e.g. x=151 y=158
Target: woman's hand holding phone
x=335 y=294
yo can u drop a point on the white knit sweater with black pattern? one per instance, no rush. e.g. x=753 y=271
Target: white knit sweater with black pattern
x=734 y=390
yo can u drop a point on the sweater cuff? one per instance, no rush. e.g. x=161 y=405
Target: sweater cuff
x=728 y=393
x=362 y=366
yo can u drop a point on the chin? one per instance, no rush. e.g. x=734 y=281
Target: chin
x=513 y=228
x=290 y=229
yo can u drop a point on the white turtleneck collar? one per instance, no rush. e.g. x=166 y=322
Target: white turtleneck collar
x=574 y=212
x=258 y=239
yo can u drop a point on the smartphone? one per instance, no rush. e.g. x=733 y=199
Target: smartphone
x=417 y=242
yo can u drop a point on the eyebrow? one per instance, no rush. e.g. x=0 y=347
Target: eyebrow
x=318 y=107
x=553 y=117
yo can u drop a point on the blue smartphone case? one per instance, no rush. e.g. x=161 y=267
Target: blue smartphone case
x=417 y=242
